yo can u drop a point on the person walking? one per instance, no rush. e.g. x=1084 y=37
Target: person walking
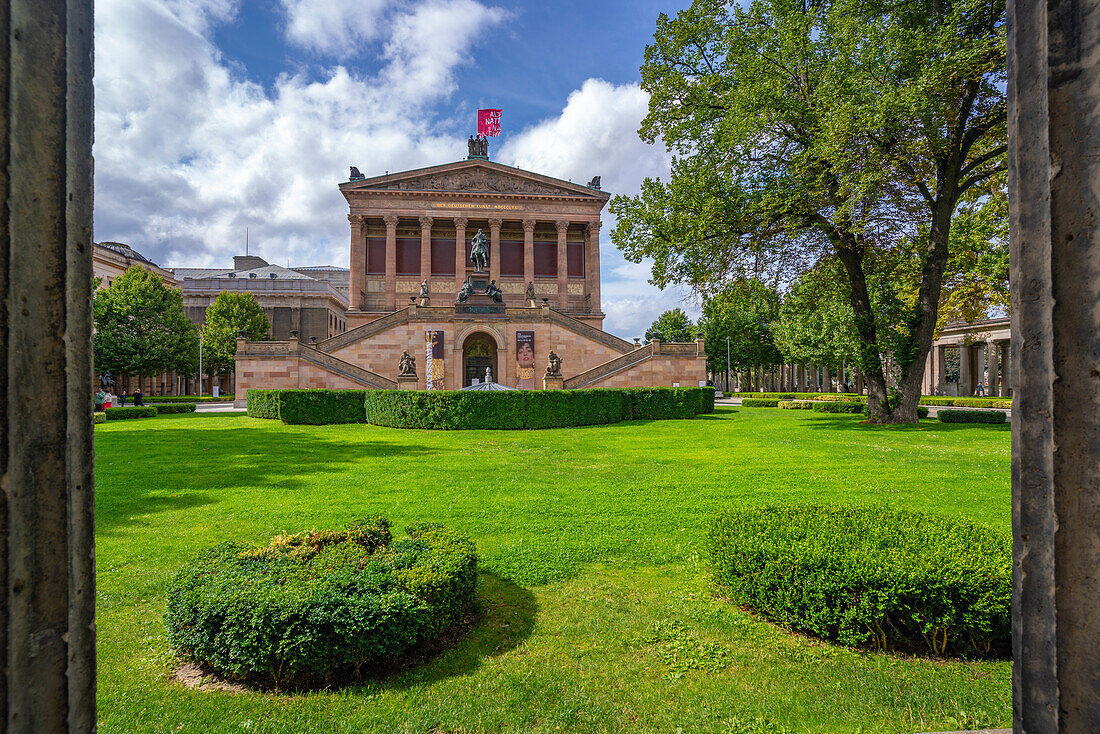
x=137 y=397
x=122 y=399
x=100 y=399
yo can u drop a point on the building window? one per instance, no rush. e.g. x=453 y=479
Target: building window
x=408 y=255
x=546 y=259
x=575 y=257
x=511 y=257
x=443 y=257
x=376 y=255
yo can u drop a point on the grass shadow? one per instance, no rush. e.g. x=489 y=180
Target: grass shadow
x=854 y=422
x=195 y=466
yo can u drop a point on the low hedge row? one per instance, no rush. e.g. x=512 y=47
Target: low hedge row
x=174 y=407
x=796 y=404
x=1004 y=403
x=465 y=410
x=119 y=414
x=841 y=398
x=224 y=398
x=318 y=606
x=897 y=579
x=820 y=406
x=786 y=395
x=99 y=417
x=760 y=403
x=971 y=416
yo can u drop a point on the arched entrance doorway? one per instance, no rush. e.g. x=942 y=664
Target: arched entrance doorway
x=478 y=352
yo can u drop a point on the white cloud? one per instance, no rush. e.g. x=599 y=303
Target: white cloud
x=188 y=154
x=336 y=28
x=596 y=134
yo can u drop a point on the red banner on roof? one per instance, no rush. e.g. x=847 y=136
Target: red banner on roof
x=488 y=123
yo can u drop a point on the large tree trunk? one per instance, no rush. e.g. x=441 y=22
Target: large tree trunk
x=878 y=403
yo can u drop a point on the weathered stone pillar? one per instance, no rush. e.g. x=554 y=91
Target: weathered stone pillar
x=528 y=251
x=494 y=249
x=425 y=248
x=1054 y=197
x=408 y=382
x=994 y=370
x=553 y=382
x=47 y=563
x=941 y=368
x=563 y=268
x=460 y=253
x=358 y=266
x=391 y=260
x=592 y=267
x=979 y=365
x=1006 y=383
x=966 y=371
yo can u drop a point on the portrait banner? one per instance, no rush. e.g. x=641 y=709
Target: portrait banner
x=488 y=123
x=433 y=360
x=525 y=360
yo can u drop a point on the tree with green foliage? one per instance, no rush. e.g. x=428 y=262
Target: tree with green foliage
x=140 y=327
x=837 y=128
x=742 y=312
x=671 y=326
x=229 y=314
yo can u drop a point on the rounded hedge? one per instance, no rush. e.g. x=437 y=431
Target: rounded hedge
x=796 y=404
x=760 y=403
x=318 y=606
x=971 y=416
x=130 y=412
x=897 y=579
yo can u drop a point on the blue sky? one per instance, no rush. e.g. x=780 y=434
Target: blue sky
x=216 y=115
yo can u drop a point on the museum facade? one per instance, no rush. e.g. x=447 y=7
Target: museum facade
x=470 y=266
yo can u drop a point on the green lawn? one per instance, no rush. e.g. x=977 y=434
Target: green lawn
x=597 y=611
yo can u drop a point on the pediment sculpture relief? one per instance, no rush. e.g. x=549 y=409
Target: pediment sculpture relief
x=476 y=180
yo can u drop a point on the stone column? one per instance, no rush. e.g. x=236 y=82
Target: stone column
x=391 y=260
x=563 y=267
x=47 y=561
x=966 y=371
x=426 y=248
x=1006 y=383
x=494 y=250
x=358 y=262
x=979 y=365
x=941 y=368
x=994 y=369
x=460 y=253
x=1054 y=195
x=528 y=251
x=592 y=267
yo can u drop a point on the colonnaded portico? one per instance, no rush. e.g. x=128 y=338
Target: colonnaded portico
x=414 y=288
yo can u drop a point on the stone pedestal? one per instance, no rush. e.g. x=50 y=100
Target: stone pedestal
x=553 y=383
x=408 y=382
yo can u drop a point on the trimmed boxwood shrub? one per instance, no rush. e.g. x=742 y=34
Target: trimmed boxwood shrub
x=971 y=416
x=175 y=408
x=118 y=414
x=321 y=407
x=983 y=403
x=659 y=403
x=262 y=403
x=796 y=404
x=320 y=605
x=223 y=398
x=760 y=403
x=99 y=417
x=841 y=399
x=821 y=406
x=897 y=579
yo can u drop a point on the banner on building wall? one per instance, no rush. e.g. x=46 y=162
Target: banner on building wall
x=488 y=123
x=525 y=360
x=433 y=360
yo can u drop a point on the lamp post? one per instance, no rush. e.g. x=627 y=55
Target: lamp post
x=728 y=365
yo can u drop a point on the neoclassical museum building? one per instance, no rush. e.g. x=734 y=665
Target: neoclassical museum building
x=470 y=266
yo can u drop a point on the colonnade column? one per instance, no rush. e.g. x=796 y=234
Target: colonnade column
x=563 y=264
x=494 y=249
x=528 y=251
x=979 y=365
x=425 y=247
x=1006 y=381
x=966 y=372
x=358 y=262
x=391 y=260
x=460 y=252
x=941 y=367
x=994 y=369
x=592 y=266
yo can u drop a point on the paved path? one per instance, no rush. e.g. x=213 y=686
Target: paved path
x=217 y=408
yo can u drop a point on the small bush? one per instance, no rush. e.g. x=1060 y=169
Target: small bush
x=971 y=416
x=898 y=579
x=760 y=403
x=318 y=606
x=321 y=407
x=820 y=406
x=174 y=408
x=796 y=404
x=262 y=403
x=841 y=399
x=99 y=417
x=119 y=414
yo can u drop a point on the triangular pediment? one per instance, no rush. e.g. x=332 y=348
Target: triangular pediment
x=474 y=176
